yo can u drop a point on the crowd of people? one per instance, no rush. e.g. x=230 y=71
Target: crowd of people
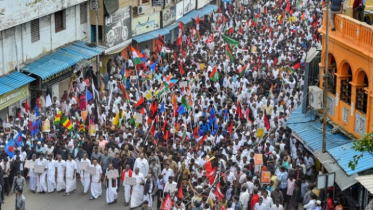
x=189 y=125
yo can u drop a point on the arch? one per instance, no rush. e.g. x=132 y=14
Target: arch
x=361 y=77
x=332 y=69
x=345 y=67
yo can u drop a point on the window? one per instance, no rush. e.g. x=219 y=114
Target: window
x=361 y=96
x=83 y=13
x=346 y=88
x=59 y=21
x=35 y=30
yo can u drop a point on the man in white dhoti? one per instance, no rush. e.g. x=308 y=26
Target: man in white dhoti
x=33 y=176
x=61 y=166
x=51 y=174
x=85 y=177
x=127 y=172
x=96 y=189
x=42 y=185
x=137 y=190
x=70 y=175
x=148 y=189
x=111 y=187
x=142 y=164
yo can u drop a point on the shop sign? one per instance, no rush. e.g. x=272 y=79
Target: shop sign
x=158 y=3
x=58 y=76
x=146 y=23
x=14 y=96
x=179 y=10
x=360 y=124
x=331 y=105
x=202 y=3
x=168 y=16
x=118 y=27
x=189 y=5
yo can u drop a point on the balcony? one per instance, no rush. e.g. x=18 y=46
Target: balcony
x=353 y=34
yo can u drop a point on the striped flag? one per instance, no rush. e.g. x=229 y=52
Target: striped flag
x=67 y=124
x=136 y=56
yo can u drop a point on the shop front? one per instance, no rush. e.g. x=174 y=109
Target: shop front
x=55 y=71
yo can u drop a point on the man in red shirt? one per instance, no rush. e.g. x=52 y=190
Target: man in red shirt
x=329 y=202
x=358 y=10
x=254 y=199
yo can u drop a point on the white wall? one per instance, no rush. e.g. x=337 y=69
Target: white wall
x=17 y=12
x=49 y=39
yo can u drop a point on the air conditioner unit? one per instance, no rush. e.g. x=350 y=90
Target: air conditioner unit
x=315 y=97
x=140 y=10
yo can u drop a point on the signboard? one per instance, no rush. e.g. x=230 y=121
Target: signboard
x=39 y=169
x=172 y=188
x=46 y=126
x=325 y=180
x=14 y=96
x=29 y=164
x=146 y=23
x=189 y=5
x=158 y=3
x=92 y=130
x=57 y=77
x=183 y=84
x=202 y=3
x=258 y=159
x=168 y=16
x=179 y=10
x=118 y=27
x=112 y=174
x=331 y=105
x=266 y=177
x=130 y=181
x=83 y=165
x=138 y=118
x=360 y=124
x=91 y=170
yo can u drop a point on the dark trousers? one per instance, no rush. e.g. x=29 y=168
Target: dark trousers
x=6 y=185
x=159 y=196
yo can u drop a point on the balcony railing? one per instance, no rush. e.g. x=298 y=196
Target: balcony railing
x=349 y=31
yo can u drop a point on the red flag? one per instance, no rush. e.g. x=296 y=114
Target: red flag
x=224 y=19
x=149 y=121
x=210 y=39
x=167 y=203
x=182 y=52
x=231 y=31
x=190 y=42
x=200 y=142
x=287 y=6
x=265 y=10
x=291 y=11
x=180 y=193
x=239 y=111
x=181 y=26
x=213 y=72
x=179 y=40
x=210 y=172
x=160 y=41
x=164 y=125
x=175 y=56
x=139 y=102
x=152 y=130
x=240 y=30
x=230 y=128
x=195 y=133
x=142 y=111
x=181 y=69
x=275 y=61
x=154 y=108
x=166 y=135
x=248 y=116
x=266 y=122
x=218 y=192
x=219 y=10
x=27 y=108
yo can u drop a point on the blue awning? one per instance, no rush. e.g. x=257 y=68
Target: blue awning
x=62 y=59
x=209 y=8
x=13 y=81
x=150 y=35
x=343 y=154
x=172 y=26
x=309 y=131
x=188 y=17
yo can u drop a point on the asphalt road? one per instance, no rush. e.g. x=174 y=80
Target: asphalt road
x=75 y=201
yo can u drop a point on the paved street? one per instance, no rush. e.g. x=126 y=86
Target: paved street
x=75 y=201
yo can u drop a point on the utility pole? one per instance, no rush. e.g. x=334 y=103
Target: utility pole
x=325 y=80
x=96 y=7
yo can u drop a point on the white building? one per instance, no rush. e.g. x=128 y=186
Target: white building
x=31 y=30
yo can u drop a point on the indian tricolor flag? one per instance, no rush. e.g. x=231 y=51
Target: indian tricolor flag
x=241 y=71
x=136 y=56
x=270 y=94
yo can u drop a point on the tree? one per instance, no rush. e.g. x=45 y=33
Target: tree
x=365 y=144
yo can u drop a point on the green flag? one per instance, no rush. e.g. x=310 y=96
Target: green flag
x=184 y=102
x=215 y=77
x=229 y=40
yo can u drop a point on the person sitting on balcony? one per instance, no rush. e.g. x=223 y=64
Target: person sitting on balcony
x=358 y=10
x=336 y=7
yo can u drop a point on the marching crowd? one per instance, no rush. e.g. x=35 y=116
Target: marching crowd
x=193 y=124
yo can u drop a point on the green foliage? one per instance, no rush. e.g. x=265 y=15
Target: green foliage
x=364 y=144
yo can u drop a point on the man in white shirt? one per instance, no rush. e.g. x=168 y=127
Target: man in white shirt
x=277 y=206
x=267 y=201
x=260 y=205
x=167 y=172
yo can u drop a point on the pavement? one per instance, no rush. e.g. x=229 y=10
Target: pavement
x=75 y=201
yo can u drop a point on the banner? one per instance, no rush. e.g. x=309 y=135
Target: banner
x=189 y=5
x=46 y=126
x=168 y=16
x=179 y=10
x=266 y=177
x=146 y=23
x=202 y=3
x=118 y=27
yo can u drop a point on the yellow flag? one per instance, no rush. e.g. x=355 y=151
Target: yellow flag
x=116 y=119
x=149 y=95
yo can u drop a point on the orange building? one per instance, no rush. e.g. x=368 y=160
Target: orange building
x=350 y=63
